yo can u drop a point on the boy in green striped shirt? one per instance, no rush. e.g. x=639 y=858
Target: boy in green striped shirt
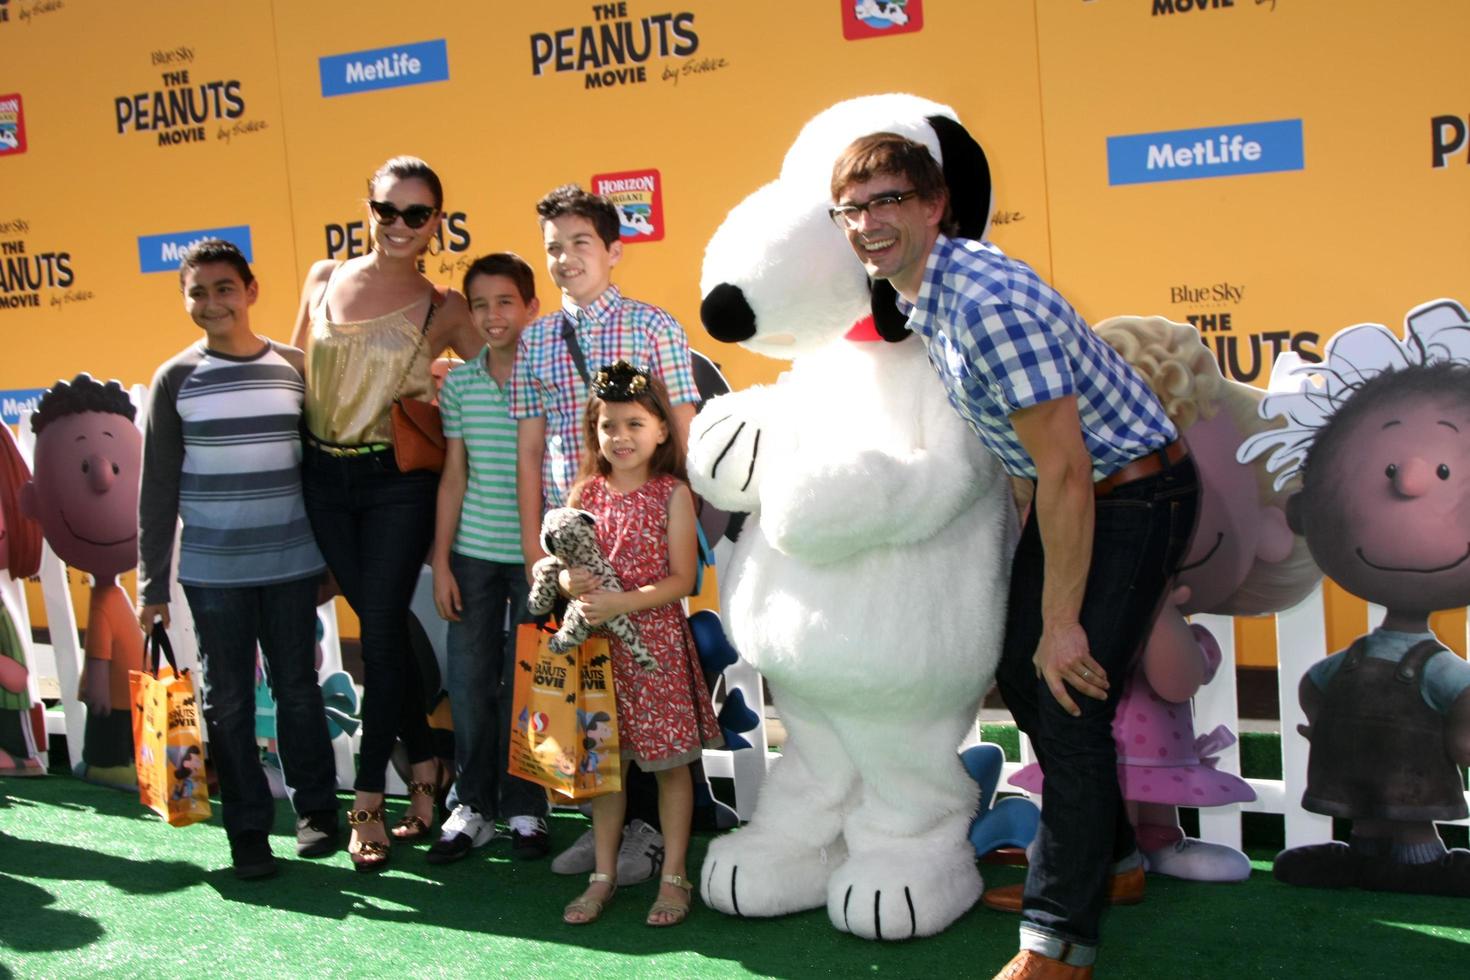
x=479 y=573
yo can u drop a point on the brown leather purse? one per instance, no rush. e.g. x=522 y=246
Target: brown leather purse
x=418 y=429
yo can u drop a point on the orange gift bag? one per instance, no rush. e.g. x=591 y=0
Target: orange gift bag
x=564 y=717
x=168 y=751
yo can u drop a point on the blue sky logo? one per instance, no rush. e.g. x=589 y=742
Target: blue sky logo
x=393 y=67
x=162 y=253
x=1216 y=151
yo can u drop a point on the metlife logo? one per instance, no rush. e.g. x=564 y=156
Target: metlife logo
x=393 y=67
x=162 y=253
x=1216 y=151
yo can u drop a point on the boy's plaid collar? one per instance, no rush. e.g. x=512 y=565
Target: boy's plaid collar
x=596 y=311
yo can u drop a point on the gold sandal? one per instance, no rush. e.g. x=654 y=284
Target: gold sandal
x=677 y=911
x=412 y=828
x=369 y=855
x=590 y=908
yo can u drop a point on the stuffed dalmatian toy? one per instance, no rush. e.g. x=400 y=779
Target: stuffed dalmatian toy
x=567 y=539
x=868 y=585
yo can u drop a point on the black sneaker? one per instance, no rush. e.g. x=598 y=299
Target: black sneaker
x=317 y=834
x=529 y=839
x=250 y=853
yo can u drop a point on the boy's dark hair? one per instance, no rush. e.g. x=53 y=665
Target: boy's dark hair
x=83 y=394
x=215 y=250
x=507 y=264
x=1446 y=380
x=571 y=199
x=889 y=153
x=405 y=168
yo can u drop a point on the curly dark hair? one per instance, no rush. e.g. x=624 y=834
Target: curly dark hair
x=82 y=394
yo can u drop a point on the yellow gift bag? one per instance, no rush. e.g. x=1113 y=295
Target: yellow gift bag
x=564 y=717
x=168 y=752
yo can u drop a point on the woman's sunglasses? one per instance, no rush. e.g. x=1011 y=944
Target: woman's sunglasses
x=415 y=215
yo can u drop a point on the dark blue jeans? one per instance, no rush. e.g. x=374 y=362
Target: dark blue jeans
x=481 y=650
x=282 y=618
x=1141 y=532
x=374 y=525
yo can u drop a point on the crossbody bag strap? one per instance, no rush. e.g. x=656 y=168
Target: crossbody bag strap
x=435 y=298
x=569 y=337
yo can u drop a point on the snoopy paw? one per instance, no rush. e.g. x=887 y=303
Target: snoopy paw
x=890 y=896
x=761 y=875
x=725 y=459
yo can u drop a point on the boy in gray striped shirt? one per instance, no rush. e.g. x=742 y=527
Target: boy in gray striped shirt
x=479 y=573
x=222 y=451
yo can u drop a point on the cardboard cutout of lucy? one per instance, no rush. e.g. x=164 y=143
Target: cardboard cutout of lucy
x=84 y=494
x=1380 y=435
x=22 y=721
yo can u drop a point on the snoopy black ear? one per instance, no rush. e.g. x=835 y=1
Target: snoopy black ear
x=587 y=518
x=967 y=173
x=888 y=320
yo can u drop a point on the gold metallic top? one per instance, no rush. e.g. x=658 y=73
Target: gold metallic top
x=353 y=373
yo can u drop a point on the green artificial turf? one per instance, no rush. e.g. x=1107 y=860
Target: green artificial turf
x=91 y=884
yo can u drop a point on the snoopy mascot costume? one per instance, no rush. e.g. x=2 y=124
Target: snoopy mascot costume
x=869 y=584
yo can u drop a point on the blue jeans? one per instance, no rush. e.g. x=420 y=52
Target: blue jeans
x=282 y=618
x=1141 y=532
x=481 y=680
x=374 y=525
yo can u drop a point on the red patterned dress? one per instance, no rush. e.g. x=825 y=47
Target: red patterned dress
x=664 y=716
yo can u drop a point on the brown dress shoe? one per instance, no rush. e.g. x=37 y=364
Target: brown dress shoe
x=1124 y=888
x=1027 y=965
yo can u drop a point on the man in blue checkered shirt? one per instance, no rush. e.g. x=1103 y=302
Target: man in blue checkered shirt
x=1111 y=516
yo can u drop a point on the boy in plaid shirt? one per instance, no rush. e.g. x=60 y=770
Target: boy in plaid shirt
x=595 y=325
x=548 y=391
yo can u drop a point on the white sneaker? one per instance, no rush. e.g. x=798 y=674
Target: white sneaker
x=465 y=830
x=639 y=858
x=641 y=855
x=579 y=859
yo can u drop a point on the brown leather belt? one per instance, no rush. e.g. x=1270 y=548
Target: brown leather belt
x=1155 y=462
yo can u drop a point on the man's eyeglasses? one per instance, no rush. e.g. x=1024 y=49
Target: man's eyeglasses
x=882 y=208
x=415 y=215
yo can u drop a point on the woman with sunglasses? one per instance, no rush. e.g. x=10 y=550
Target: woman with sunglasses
x=370 y=327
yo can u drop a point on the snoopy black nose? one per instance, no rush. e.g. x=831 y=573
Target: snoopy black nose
x=726 y=314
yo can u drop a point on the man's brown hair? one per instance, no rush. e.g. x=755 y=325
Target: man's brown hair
x=891 y=154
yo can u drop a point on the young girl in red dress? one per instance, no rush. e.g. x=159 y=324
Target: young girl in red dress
x=632 y=481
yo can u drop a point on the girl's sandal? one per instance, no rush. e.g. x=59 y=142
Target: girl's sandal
x=410 y=827
x=367 y=855
x=590 y=908
x=676 y=911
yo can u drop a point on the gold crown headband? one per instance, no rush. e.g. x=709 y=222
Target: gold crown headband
x=619 y=382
